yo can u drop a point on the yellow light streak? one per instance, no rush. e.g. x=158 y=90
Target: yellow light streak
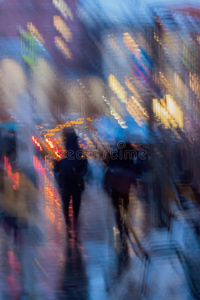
x=34 y=31
x=62 y=27
x=117 y=88
x=169 y=113
x=63 y=47
x=130 y=43
x=63 y=8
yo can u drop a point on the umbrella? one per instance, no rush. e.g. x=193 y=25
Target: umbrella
x=8 y=125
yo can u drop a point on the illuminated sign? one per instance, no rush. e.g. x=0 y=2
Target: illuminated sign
x=63 y=8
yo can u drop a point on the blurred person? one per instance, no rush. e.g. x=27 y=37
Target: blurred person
x=142 y=169
x=19 y=212
x=7 y=149
x=69 y=173
x=7 y=145
x=20 y=218
x=119 y=177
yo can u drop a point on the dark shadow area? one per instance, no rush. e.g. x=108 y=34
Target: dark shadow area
x=74 y=284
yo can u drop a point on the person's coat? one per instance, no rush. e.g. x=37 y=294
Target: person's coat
x=20 y=202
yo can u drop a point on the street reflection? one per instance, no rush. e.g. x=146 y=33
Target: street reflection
x=74 y=284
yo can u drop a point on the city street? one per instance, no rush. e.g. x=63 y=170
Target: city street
x=99 y=150
x=61 y=264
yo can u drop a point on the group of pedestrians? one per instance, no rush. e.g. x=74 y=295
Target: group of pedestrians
x=120 y=173
x=18 y=201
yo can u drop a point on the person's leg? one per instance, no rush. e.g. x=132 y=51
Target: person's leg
x=76 y=199
x=124 y=258
x=66 y=200
x=116 y=207
x=125 y=200
x=120 y=203
x=123 y=204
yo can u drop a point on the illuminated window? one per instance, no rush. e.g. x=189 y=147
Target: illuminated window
x=63 y=8
x=131 y=87
x=117 y=88
x=61 y=26
x=170 y=114
x=61 y=45
x=194 y=84
x=114 y=45
x=130 y=43
x=33 y=30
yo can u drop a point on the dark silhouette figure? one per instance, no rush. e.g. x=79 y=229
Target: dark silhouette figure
x=119 y=176
x=69 y=173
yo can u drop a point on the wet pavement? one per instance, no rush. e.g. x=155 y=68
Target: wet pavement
x=56 y=263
